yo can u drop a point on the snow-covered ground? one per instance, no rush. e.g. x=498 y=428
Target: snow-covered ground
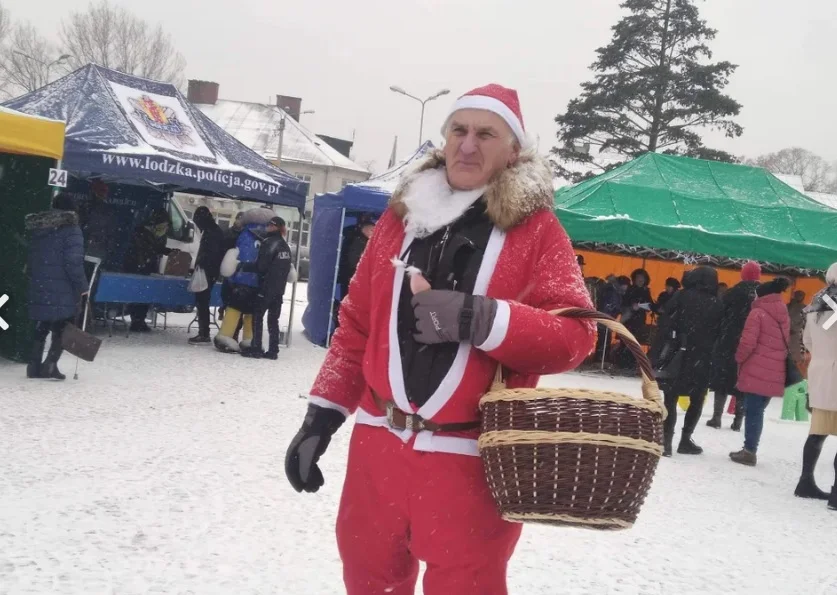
x=161 y=471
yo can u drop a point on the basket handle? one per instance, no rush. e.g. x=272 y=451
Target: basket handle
x=650 y=390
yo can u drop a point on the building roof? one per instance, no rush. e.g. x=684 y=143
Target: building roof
x=829 y=200
x=792 y=180
x=257 y=126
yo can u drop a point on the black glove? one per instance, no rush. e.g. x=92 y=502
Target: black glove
x=308 y=446
x=444 y=316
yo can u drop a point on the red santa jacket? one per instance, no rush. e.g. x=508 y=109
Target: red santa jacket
x=528 y=266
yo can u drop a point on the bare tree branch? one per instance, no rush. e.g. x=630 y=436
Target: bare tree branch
x=27 y=60
x=817 y=174
x=113 y=37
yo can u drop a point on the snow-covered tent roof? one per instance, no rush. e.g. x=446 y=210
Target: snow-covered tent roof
x=386 y=182
x=136 y=130
x=257 y=126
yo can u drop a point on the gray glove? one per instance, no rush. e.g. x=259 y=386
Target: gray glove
x=444 y=316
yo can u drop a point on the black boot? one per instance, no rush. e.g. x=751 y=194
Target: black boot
x=718 y=411
x=832 y=500
x=739 y=414
x=688 y=446
x=49 y=369
x=807 y=488
x=667 y=440
x=33 y=369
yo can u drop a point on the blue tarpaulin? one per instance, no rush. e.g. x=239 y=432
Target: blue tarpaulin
x=332 y=213
x=133 y=130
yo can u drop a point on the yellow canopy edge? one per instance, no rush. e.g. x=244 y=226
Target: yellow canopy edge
x=30 y=135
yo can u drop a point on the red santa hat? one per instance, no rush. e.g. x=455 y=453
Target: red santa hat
x=497 y=99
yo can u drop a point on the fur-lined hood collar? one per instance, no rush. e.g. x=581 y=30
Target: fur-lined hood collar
x=511 y=196
x=48 y=220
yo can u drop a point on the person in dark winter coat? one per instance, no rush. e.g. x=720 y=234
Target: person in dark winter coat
x=609 y=301
x=636 y=304
x=672 y=287
x=691 y=318
x=56 y=280
x=210 y=253
x=736 y=307
x=354 y=243
x=148 y=244
x=274 y=268
x=98 y=222
x=761 y=356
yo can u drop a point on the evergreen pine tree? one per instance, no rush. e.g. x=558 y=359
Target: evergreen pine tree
x=653 y=90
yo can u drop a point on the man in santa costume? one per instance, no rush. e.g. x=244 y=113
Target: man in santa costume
x=457 y=280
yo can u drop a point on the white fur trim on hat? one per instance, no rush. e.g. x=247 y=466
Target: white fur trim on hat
x=491 y=105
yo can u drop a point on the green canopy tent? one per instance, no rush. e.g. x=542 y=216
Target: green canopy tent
x=683 y=205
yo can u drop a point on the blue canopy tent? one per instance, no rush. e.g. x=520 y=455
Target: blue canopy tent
x=331 y=215
x=141 y=133
x=135 y=131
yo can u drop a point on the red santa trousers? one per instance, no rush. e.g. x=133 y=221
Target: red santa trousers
x=400 y=506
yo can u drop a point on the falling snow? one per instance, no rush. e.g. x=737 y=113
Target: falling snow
x=161 y=471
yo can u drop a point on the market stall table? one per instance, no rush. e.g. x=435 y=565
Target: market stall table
x=159 y=291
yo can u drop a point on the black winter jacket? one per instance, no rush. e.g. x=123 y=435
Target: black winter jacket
x=695 y=314
x=736 y=306
x=211 y=250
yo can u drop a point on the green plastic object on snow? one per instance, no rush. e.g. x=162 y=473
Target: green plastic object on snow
x=704 y=207
x=795 y=401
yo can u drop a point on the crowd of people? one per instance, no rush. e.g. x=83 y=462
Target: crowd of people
x=251 y=291
x=743 y=342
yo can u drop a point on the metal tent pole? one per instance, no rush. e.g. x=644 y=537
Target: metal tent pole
x=334 y=280
x=293 y=286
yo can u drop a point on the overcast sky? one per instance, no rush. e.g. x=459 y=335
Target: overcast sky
x=341 y=57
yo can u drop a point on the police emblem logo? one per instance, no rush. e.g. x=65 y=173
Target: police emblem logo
x=161 y=122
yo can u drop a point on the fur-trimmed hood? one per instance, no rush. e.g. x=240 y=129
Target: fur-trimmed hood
x=511 y=196
x=49 y=220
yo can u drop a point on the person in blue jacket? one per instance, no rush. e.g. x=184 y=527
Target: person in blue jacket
x=241 y=290
x=57 y=282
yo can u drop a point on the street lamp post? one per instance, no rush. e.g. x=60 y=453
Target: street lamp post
x=61 y=59
x=423 y=102
x=282 y=131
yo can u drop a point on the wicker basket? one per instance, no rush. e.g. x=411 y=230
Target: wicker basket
x=573 y=457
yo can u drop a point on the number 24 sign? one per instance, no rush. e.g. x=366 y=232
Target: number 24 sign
x=58 y=177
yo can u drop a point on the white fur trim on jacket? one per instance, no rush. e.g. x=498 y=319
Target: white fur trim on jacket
x=499 y=328
x=326 y=404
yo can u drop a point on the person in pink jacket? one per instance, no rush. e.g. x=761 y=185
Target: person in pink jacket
x=761 y=356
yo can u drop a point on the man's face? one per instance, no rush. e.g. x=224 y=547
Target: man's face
x=367 y=230
x=640 y=281
x=669 y=289
x=799 y=296
x=478 y=145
